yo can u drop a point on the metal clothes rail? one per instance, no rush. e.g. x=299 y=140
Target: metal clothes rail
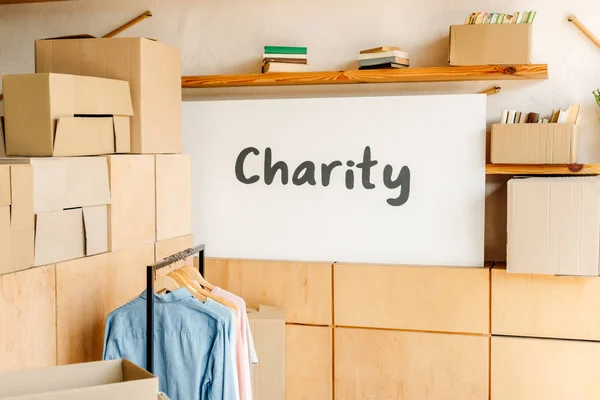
x=150 y=277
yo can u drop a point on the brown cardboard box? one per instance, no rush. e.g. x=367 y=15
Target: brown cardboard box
x=114 y=379
x=65 y=115
x=68 y=234
x=534 y=143
x=489 y=44
x=16 y=218
x=147 y=64
x=132 y=214
x=173 y=196
x=267 y=325
x=554 y=225
x=61 y=183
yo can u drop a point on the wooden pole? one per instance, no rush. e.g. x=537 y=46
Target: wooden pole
x=583 y=29
x=129 y=24
x=490 y=91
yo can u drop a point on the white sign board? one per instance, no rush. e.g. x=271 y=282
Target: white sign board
x=393 y=180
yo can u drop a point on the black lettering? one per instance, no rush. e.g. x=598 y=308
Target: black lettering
x=350 y=175
x=365 y=166
x=239 y=166
x=326 y=170
x=271 y=169
x=403 y=182
x=308 y=168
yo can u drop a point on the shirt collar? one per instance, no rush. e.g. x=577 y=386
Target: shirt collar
x=179 y=294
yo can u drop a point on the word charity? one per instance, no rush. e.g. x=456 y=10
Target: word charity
x=306 y=173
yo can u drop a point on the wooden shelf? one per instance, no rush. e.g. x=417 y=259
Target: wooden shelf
x=28 y=1
x=430 y=74
x=563 y=169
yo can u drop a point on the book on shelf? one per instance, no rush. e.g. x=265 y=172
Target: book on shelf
x=286 y=60
x=383 y=66
x=391 y=53
x=520 y=17
x=568 y=116
x=380 y=49
x=383 y=60
x=280 y=55
x=286 y=50
x=284 y=67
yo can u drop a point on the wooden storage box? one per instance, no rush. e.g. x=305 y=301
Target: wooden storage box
x=490 y=44
x=534 y=143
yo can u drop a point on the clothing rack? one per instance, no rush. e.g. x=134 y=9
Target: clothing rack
x=150 y=277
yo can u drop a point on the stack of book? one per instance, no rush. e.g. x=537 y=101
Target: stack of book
x=523 y=17
x=383 y=57
x=284 y=59
x=568 y=116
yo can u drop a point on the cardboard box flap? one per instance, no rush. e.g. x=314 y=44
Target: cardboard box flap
x=122 y=132
x=95 y=222
x=59 y=236
x=98 y=96
x=88 y=136
x=75 y=36
x=95 y=380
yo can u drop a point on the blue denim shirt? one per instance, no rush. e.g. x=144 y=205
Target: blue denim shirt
x=192 y=355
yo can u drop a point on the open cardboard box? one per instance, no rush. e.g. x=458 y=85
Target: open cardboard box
x=114 y=379
x=144 y=63
x=534 y=143
x=490 y=44
x=65 y=115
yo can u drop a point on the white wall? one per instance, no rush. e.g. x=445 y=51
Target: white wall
x=227 y=36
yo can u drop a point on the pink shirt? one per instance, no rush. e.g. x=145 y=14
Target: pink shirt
x=244 y=345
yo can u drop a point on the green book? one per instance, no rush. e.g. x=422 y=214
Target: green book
x=285 y=50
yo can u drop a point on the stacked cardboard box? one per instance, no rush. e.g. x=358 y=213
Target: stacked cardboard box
x=106 y=116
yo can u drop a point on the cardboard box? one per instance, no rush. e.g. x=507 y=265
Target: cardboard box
x=267 y=325
x=61 y=183
x=173 y=196
x=16 y=218
x=534 y=143
x=144 y=63
x=114 y=379
x=554 y=225
x=132 y=214
x=68 y=234
x=65 y=115
x=490 y=44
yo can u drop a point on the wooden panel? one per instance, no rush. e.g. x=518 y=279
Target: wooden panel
x=127 y=275
x=173 y=196
x=428 y=74
x=420 y=298
x=518 y=169
x=308 y=362
x=302 y=290
x=132 y=214
x=381 y=364
x=542 y=369
x=165 y=248
x=545 y=305
x=28 y=319
x=81 y=291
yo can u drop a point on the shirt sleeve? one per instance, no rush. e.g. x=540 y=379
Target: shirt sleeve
x=107 y=352
x=251 y=348
x=223 y=382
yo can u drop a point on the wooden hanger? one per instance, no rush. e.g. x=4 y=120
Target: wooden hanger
x=196 y=275
x=205 y=292
x=183 y=283
x=165 y=283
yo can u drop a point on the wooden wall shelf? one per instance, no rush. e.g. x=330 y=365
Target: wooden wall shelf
x=522 y=169
x=429 y=74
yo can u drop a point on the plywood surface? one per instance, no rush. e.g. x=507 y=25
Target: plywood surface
x=429 y=74
x=168 y=247
x=28 y=319
x=557 y=169
x=81 y=291
x=132 y=214
x=302 y=290
x=416 y=298
x=173 y=196
x=127 y=275
x=545 y=305
x=308 y=362
x=542 y=369
x=381 y=364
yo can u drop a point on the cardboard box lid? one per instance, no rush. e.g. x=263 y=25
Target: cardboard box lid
x=266 y=312
x=114 y=379
x=554 y=225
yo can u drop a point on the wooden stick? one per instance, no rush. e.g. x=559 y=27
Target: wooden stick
x=129 y=24
x=1 y=97
x=490 y=91
x=583 y=29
